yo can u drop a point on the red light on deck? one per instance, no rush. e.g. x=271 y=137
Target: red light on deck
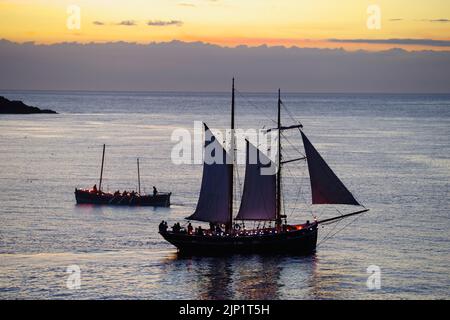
x=299 y=227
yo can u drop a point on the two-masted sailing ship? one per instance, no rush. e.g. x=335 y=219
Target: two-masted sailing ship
x=97 y=196
x=261 y=201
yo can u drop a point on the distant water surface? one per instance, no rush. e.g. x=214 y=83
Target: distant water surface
x=392 y=151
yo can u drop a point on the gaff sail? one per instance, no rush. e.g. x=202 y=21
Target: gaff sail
x=213 y=202
x=326 y=188
x=259 y=194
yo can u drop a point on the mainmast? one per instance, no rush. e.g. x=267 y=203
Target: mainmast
x=278 y=216
x=230 y=200
x=101 y=170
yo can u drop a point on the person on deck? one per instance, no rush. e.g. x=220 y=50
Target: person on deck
x=163 y=227
x=155 y=192
x=94 y=188
x=190 y=228
x=199 y=231
x=176 y=227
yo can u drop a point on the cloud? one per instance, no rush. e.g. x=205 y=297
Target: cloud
x=98 y=23
x=442 y=20
x=127 y=23
x=185 y=4
x=204 y=67
x=439 y=20
x=420 y=42
x=160 y=23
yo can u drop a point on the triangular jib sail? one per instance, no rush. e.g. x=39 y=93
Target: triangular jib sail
x=259 y=194
x=213 y=202
x=326 y=188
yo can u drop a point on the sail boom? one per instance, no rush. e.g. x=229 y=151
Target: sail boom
x=254 y=219
x=297 y=126
x=336 y=219
x=293 y=160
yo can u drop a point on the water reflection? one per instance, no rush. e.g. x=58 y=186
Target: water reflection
x=254 y=277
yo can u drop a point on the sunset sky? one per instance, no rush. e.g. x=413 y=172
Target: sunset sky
x=408 y=24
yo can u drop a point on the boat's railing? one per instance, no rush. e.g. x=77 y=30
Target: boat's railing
x=245 y=232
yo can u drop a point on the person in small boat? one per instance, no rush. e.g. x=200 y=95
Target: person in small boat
x=155 y=192
x=163 y=227
x=190 y=228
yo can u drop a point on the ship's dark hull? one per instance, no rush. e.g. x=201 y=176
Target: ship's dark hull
x=87 y=197
x=301 y=242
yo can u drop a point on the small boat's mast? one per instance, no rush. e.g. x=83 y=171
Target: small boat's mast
x=139 y=177
x=101 y=170
x=278 y=215
x=230 y=227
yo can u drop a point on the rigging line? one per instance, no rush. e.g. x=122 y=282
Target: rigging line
x=255 y=106
x=327 y=236
x=290 y=114
x=359 y=216
x=300 y=194
x=292 y=145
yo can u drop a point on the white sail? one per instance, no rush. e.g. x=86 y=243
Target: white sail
x=214 y=200
x=326 y=188
x=259 y=195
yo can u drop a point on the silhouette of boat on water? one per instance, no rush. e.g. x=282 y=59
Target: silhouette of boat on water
x=97 y=196
x=261 y=201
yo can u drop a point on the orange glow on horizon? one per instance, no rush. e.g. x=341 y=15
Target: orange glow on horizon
x=287 y=23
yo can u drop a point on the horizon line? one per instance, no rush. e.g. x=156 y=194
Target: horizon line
x=220 y=92
x=396 y=46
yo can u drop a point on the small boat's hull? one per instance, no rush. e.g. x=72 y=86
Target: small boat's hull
x=301 y=242
x=87 y=197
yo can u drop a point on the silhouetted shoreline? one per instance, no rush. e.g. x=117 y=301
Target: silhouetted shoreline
x=18 y=107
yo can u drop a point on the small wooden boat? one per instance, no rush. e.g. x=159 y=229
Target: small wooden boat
x=261 y=201
x=161 y=199
x=99 y=197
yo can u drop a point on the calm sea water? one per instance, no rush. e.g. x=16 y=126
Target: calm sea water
x=392 y=151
